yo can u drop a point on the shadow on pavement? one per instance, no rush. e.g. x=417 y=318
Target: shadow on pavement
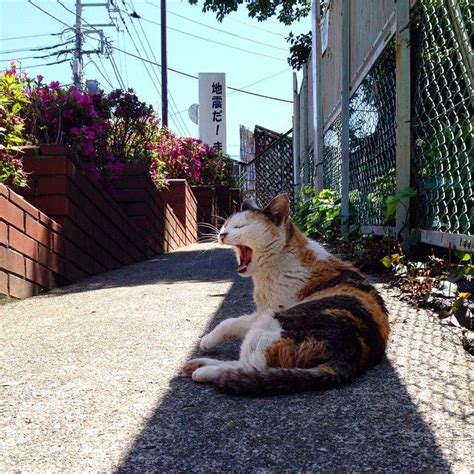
x=370 y=425
x=179 y=266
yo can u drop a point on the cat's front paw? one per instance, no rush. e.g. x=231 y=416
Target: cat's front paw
x=191 y=366
x=208 y=342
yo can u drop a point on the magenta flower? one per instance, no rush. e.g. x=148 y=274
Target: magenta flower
x=39 y=77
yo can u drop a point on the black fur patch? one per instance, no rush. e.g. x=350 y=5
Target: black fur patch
x=311 y=320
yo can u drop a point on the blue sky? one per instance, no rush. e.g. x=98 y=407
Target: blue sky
x=265 y=72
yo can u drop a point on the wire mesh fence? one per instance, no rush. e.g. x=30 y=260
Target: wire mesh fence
x=271 y=171
x=443 y=119
x=273 y=165
x=372 y=141
x=332 y=157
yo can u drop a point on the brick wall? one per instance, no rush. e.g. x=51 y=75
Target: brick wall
x=156 y=219
x=103 y=236
x=32 y=249
x=179 y=195
x=65 y=226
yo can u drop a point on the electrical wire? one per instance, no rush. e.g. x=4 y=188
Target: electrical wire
x=216 y=42
x=32 y=66
x=178 y=125
x=49 y=14
x=254 y=26
x=56 y=53
x=248 y=85
x=106 y=78
x=218 y=29
x=196 y=77
x=39 y=48
x=30 y=36
x=173 y=104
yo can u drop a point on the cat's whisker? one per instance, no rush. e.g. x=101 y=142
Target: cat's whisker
x=223 y=219
x=208 y=226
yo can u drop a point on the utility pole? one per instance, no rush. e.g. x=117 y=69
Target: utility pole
x=77 y=77
x=164 y=67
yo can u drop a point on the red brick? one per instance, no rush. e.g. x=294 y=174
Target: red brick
x=47 y=165
x=48 y=222
x=54 y=205
x=3 y=233
x=39 y=274
x=25 y=205
x=52 y=185
x=53 y=149
x=20 y=288
x=3 y=283
x=3 y=190
x=12 y=261
x=39 y=232
x=50 y=260
x=58 y=243
x=23 y=243
x=11 y=214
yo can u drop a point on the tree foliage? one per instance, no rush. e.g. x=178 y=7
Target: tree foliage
x=286 y=11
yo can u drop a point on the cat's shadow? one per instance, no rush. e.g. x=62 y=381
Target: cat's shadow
x=370 y=425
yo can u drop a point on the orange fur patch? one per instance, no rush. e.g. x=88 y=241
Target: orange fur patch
x=288 y=354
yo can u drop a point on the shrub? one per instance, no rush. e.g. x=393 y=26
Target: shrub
x=12 y=99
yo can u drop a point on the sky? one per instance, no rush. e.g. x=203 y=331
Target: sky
x=255 y=60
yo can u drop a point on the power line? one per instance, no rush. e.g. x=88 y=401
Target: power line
x=56 y=53
x=255 y=26
x=173 y=102
x=196 y=77
x=220 y=30
x=216 y=42
x=39 y=48
x=49 y=14
x=32 y=66
x=30 y=36
x=249 y=85
x=106 y=78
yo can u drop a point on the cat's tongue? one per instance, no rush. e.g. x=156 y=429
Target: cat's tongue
x=245 y=258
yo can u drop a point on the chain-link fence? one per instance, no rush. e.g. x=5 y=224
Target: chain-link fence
x=372 y=141
x=332 y=157
x=420 y=138
x=443 y=120
x=271 y=170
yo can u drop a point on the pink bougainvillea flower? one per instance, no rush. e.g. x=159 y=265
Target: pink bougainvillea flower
x=54 y=85
x=39 y=77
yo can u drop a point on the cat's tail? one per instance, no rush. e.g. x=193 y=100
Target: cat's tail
x=279 y=381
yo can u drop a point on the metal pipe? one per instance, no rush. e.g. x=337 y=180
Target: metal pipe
x=316 y=56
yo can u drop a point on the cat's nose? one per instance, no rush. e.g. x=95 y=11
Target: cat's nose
x=223 y=235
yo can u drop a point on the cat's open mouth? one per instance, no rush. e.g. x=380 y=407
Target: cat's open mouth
x=245 y=257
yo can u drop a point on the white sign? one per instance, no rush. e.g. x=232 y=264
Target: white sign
x=212 y=110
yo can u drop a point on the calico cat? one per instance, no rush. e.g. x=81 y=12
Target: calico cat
x=318 y=323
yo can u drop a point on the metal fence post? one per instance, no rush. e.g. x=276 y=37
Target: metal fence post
x=296 y=139
x=304 y=126
x=318 y=171
x=403 y=117
x=345 y=99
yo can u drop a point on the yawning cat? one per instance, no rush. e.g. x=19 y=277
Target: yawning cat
x=318 y=323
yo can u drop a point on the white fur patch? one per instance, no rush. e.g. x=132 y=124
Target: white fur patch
x=319 y=250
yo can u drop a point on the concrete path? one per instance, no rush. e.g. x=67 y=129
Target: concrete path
x=90 y=381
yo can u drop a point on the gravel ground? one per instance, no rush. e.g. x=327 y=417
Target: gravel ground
x=90 y=381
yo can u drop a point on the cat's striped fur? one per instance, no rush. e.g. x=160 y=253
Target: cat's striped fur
x=319 y=323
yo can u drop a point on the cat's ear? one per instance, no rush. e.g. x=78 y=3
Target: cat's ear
x=249 y=205
x=278 y=209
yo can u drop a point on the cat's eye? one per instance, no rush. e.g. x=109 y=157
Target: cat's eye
x=239 y=226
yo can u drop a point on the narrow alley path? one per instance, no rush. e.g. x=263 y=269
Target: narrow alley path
x=89 y=381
